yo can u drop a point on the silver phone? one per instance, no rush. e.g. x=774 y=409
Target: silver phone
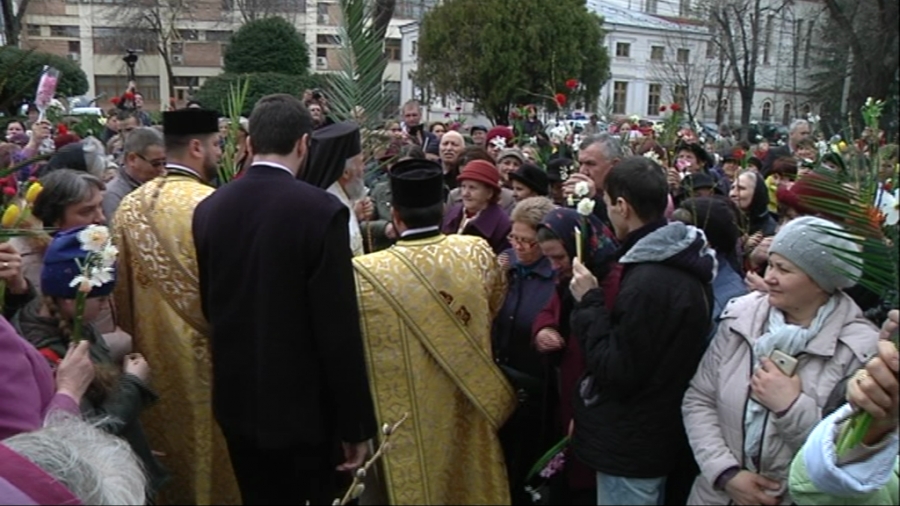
x=783 y=361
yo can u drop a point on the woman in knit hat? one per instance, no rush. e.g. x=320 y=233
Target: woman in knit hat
x=749 y=408
x=479 y=213
x=119 y=391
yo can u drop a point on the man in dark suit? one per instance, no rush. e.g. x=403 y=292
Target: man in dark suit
x=276 y=282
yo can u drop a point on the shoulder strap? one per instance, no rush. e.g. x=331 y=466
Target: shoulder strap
x=470 y=367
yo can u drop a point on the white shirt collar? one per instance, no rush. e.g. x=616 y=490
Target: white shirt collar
x=276 y=165
x=421 y=230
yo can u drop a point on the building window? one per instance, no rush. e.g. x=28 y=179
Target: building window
x=218 y=35
x=322 y=17
x=651 y=7
x=684 y=8
x=620 y=97
x=321 y=52
x=33 y=30
x=114 y=86
x=657 y=53
x=710 y=49
x=786 y=116
x=679 y=94
x=328 y=39
x=392 y=49
x=186 y=81
x=683 y=55
x=623 y=49
x=117 y=40
x=654 y=99
x=177 y=48
x=65 y=31
x=414 y=47
x=74 y=47
x=189 y=35
x=767 y=112
x=808 y=48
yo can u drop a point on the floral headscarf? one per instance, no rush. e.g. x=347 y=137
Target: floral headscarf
x=599 y=247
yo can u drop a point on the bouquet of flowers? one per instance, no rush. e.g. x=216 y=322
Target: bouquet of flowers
x=548 y=466
x=94 y=271
x=16 y=209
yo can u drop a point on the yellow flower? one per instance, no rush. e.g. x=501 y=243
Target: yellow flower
x=10 y=216
x=33 y=191
x=842 y=146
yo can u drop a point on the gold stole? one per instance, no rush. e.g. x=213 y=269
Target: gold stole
x=467 y=366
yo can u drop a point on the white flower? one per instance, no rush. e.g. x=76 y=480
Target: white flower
x=586 y=207
x=869 y=101
x=582 y=189
x=108 y=255
x=634 y=118
x=101 y=120
x=653 y=156
x=570 y=200
x=659 y=128
x=84 y=280
x=822 y=147
x=533 y=140
x=101 y=275
x=758 y=138
x=94 y=238
x=498 y=142
x=889 y=207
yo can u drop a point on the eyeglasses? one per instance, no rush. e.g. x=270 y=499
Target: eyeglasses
x=528 y=243
x=154 y=163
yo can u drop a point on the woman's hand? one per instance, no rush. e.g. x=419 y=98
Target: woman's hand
x=40 y=131
x=772 y=388
x=76 y=371
x=548 y=340
x=11 y=269
x=582 y=280
x=752 y=241
x=750 y=488
x=137 y=365
x=760 y=254
x=874 y=389
x=755 y=283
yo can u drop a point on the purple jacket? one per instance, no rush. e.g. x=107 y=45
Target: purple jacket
x=27 y=388
x=492 y=224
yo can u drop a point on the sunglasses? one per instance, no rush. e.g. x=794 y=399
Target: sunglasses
x=154 y=163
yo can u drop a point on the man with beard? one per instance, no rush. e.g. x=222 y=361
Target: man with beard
x=336 y=166
x=158 y=300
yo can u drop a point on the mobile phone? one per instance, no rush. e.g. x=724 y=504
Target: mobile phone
x=783 y=361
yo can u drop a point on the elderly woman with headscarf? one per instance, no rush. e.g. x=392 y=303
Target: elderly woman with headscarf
x=751 y=196
x=777 y=357
x=479 y=212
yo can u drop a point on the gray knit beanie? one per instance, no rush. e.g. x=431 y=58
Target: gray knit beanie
x=810 y=243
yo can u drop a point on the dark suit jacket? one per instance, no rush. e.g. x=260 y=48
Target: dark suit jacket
x=277 y=287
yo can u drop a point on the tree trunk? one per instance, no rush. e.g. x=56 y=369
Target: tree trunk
x=9 y=22
x=746 y=109
x=720 y=92
x=169 y=72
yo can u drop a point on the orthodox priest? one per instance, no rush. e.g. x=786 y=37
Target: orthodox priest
x=336 y=166
x=158 y=299
x=426 y=307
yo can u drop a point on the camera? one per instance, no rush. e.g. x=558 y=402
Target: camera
x=317 y=94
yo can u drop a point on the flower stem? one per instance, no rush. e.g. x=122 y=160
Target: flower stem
x=79 y=316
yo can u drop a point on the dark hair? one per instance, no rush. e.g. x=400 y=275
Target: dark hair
x=22 y=124
x=806 y=143
x=277 y=123
x=471 y=153
x=124 y=114
x=642 y=183
x=784 y=166
x=412 y=151
x=421 y=217
x=62 y=188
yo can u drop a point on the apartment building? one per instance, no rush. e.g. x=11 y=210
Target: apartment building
x=97 y=33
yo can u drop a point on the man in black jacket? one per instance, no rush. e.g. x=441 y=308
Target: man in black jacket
x=640 y=355
x=276 y=282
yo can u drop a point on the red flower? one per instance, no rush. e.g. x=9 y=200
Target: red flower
x=62 y=129
x=662 y=108
x=9 y=191
x=115 y=100
x=560 y=99
x=514 y=114
x=739 y=154
x=128 y=95
x=572 y=84
x=675 y=107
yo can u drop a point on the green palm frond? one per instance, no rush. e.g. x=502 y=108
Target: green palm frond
x=237 y=96
x=356 y=93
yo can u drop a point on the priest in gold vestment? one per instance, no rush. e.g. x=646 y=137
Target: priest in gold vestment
x=426 y=306
x=157 y=296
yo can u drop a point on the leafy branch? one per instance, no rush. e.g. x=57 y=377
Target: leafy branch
x=357 y=487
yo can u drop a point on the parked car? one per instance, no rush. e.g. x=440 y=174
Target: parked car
x=772 y=132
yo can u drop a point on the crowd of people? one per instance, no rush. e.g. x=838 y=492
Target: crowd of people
x=676 y=315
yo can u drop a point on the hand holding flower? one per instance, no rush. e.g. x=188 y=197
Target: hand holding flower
x=582 y=280
x=772 y=388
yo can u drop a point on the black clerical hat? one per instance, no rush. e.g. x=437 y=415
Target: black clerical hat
x=190 y=122
x=329 y=149
x=417 y=184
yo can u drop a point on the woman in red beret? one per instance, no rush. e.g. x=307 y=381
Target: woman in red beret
x=479 y=213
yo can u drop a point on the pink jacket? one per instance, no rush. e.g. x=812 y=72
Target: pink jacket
x=714 y=403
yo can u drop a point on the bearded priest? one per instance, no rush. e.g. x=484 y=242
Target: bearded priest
x=426 y=307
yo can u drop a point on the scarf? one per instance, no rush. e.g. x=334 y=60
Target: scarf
x=790 y=339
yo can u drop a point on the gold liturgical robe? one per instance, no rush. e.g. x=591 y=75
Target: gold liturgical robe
x=426 y=308
x=158 y=299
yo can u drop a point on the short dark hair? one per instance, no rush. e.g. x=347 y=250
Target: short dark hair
x=62 y=188
x=642 y=183
x=176 y=144
x=124 y=114
x=421 y=217
x=277 y=123
x=471 y=153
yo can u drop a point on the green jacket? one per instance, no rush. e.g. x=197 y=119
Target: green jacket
x=373 y=231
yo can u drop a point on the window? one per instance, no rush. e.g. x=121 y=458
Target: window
x=809 y=36
x=651 y=7
x=786 y=116
x=218 y=35
x=328 y=39
x=189 y=35
x=321 y=52
x=75 y=46
x=65 y=31
x=767 y=112
x=322 y=14
x=654 y=100
x=415 y=47
x=710 y=49
x=623 y=49
x=683 y=55
x=620 y=97
x=114 y=86
x=177 y=48
x=392 y=49
x=657 y=53
x=33 y=30
x=186 y=81
x=684 y=8
x=679 y=94
x=117 y=40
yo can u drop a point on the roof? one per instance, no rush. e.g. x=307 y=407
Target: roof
x=629 y=17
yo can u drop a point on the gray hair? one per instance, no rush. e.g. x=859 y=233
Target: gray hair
x=610 y=145
x=797 y=123
x=62 y=188
x=96 y=467
x=94 y=156
x=142 y=138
